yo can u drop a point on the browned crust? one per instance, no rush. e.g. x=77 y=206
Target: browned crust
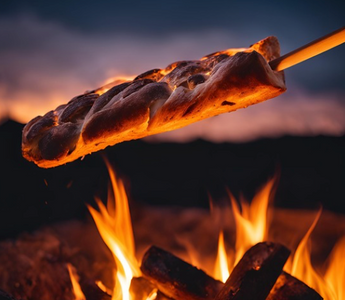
x=156 y=101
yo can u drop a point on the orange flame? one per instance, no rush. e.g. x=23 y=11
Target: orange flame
x=252 y=227
x=152 y=295
x=114 y=225
x=221 y=271
x=78 y=293
x=251 y=223
x=335 y=273
x=302 y=267
x=103 y=288
x=331 y=285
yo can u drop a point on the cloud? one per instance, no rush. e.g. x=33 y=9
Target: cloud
x=45 y=64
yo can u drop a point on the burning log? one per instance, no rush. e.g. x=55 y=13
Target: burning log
x=288 y=287
x=176 y=278
x=256 y=273
x=92 y=291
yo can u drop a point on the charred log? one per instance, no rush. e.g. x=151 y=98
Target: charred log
x=92 y=291
x=288 y=287
x=256 y=273
x=176 y=278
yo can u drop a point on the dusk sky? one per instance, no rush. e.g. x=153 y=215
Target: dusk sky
x=53 y=51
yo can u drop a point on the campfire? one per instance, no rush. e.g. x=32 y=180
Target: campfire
x=249 y=269
x=236 y=251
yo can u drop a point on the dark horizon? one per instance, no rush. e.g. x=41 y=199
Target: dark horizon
x=310 y=170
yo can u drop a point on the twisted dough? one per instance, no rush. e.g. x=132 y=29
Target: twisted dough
x=155 y=101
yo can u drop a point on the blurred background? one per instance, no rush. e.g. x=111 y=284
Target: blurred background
x=53 y=51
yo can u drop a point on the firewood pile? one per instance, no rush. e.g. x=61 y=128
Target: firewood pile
x=258 y=275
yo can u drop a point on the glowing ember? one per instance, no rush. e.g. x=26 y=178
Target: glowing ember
x=78 y=293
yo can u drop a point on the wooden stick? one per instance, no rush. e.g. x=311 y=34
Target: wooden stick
x=310 y=50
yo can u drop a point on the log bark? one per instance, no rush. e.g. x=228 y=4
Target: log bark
x=256 y=273
x=176 y=278
x=288 y=287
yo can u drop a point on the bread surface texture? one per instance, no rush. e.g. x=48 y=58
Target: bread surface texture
x=156 y=101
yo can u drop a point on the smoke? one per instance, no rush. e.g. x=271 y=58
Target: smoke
x=45 y=64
